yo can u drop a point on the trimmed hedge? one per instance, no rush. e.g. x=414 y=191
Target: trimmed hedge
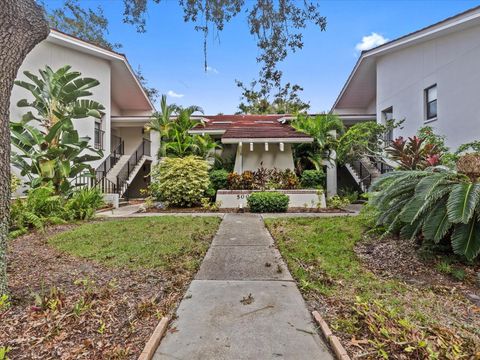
x=180 y=182
x=312 y=179
x=268 y=201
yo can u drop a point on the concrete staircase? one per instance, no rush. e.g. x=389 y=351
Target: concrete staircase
x=364 y=172
x=133 y=172
x=114 y=171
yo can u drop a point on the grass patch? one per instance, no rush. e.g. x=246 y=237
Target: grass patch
x=163 y=243
x=380 y=317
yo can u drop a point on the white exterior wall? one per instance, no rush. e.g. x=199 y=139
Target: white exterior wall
x=56 y=56
x=453 y=63
x=273 y=158
x=132 y=137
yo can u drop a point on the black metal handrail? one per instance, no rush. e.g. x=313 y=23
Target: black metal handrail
x=382 y=167
x=88 y=180
x=363 y=173
x=142 y=150
x=110 y=161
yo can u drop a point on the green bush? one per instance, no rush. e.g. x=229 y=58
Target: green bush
x=180 y=181
x=268 y=201
x=219 y=179
x=437 y=204
x=41 y=207
x=337 y=202
x=312 y=179
x=83 y=204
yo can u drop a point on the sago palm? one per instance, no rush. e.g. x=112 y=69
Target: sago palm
x=436 y=203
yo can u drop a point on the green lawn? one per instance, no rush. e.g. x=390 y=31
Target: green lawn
x=163 y=242
x=391 y=318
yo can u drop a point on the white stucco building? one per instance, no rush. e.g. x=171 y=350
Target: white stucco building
x=429 y=77
x=120 y=133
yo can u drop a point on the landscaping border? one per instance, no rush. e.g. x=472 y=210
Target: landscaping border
x=154 y=341
x=299 y=198
x=335 y=343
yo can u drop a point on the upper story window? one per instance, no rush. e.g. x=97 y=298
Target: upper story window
x=431 y=102
x=98 y=138
x=387 y=115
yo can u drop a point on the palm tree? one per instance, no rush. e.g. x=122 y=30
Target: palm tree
x=323 y=129
x=161 y=120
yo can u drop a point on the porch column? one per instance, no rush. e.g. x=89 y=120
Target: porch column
x=154 y=146
x=332 y=172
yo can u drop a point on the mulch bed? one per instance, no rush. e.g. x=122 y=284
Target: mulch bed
x=237 y=210
x=393 y=257
x=88 y=311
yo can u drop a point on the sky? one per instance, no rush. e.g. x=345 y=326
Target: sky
x=170 y=52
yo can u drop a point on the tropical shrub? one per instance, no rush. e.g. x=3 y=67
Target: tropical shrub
x=337 y=202
x=312 y=179
x=435 y=203
x=180 y=181
x=52 y=151
x=268 y=201
x=83 y=203
x=414 y=154
x=176 y=141
x=364 y=139
x=263 y=179
x=41 y=207
x=428 y=135
x=219 y=179
x=15 y=183
x=324 y=130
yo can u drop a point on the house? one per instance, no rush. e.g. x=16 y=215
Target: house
x=428 y=77
x=128 y=150
x=253 y=140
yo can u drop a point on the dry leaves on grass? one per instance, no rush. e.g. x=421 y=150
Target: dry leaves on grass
x=69 y=308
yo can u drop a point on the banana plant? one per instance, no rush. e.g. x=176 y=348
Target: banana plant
x=437 y=203
x=47 y=148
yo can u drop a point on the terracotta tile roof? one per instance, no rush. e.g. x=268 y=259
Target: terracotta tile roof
x=250 y=126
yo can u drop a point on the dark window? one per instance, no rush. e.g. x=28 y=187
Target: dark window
x=387 y=115
x=98 y=138
x=431 y=102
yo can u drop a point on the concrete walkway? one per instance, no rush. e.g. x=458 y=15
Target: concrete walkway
x=243 y=303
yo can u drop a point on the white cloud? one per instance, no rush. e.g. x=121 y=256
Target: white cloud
x=370 y=41
x=172 y=93
x=211 y=69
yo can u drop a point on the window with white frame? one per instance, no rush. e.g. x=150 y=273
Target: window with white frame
x=387 y=115
x=431 y=102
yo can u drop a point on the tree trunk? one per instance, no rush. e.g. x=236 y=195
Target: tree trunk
x=22 y=26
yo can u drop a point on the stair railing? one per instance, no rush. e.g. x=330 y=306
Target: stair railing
x=142 y=150
x=99 y=178
x=365 y=177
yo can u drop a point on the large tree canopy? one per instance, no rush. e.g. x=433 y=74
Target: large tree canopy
x=277 y=26
x=87 y=24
